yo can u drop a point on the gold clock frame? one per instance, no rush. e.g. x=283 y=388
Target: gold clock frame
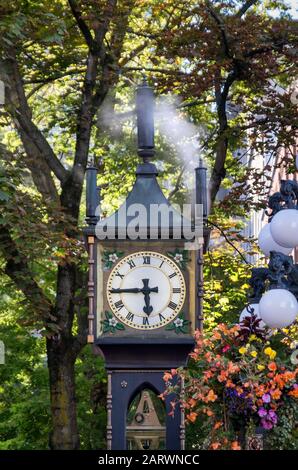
x=168 y=260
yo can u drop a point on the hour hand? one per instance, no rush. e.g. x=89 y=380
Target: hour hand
x=133 y=290
x=146 y=291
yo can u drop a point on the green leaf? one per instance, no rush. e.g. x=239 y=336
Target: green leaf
x=169 y=327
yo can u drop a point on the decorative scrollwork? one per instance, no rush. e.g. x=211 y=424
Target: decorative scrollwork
x=281 y=273
x=279 y=267
x=286 y=198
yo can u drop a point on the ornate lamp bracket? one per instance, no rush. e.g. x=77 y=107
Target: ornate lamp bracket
x=286 y=198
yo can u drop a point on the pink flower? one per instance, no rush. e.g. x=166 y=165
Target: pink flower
x=262 y=412
x=226 y=348
x=266 y=398
x=266 y=423
x=272 y=416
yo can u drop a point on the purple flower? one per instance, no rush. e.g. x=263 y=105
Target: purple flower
x=266 y=398
x=262 y=412
x=266 y=423
x=272 y=416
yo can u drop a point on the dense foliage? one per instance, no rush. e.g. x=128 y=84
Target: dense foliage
x=70 y=69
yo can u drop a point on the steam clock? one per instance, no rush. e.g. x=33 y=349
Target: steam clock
x=145 y=296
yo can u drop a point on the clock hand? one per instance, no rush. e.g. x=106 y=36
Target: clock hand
x=146 y=291
x=134 y=290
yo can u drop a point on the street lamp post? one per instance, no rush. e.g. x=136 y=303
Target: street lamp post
x=275 y=288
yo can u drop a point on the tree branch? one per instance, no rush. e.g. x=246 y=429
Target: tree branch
x=218 y=171
x=17 y=269
x=228 y=241
x=194 y=103
x=177 y=185
x=220 y=22
x=44 y=81
x=81 y=23
x=93 y=95
x=21 y=114
x=245 y=7
x=156 y=70
x=133 y=54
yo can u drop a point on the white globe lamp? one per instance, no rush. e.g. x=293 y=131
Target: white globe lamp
x=267 y=244
x=278 y=308
x=284 y=228
x=246 y=313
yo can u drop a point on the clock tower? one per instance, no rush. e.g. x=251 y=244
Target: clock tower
x=145 y=292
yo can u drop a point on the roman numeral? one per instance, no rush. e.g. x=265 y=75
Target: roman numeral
x=146 y=260
x=145 y=321
x=176 y=290
x=161 y=264
x=130 y=316
x=132 y=264
x=161 y=317
x=172 y=275
x=119 y=305
x=172 y=305
x=120 y=275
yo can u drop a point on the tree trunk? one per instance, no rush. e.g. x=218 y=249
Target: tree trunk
x=62 y=350
x=64 y=435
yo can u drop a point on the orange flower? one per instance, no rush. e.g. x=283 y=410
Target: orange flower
x=260 y=390
x=193 y=355
x=235 y=445
x=215 y=445
x=276 y=394
x=167 y=376
x=232 y=368
x=288 y=376
x=222 y=327
x=198 y=334
x=222 y=376
x=192 y=402
x=279 y=380
x=211 y=396
x=216 y=335
x=218 y=424
x=230 y=384
x=272 y=366
x=208 y=374
x=208 y=356
x=294 y=393
x=192 y=416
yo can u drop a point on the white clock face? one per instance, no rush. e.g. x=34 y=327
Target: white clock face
x=146 y=290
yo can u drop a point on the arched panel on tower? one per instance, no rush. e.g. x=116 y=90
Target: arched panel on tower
x=146 y=420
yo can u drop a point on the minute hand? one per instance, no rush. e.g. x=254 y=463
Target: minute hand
x=133 y=290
